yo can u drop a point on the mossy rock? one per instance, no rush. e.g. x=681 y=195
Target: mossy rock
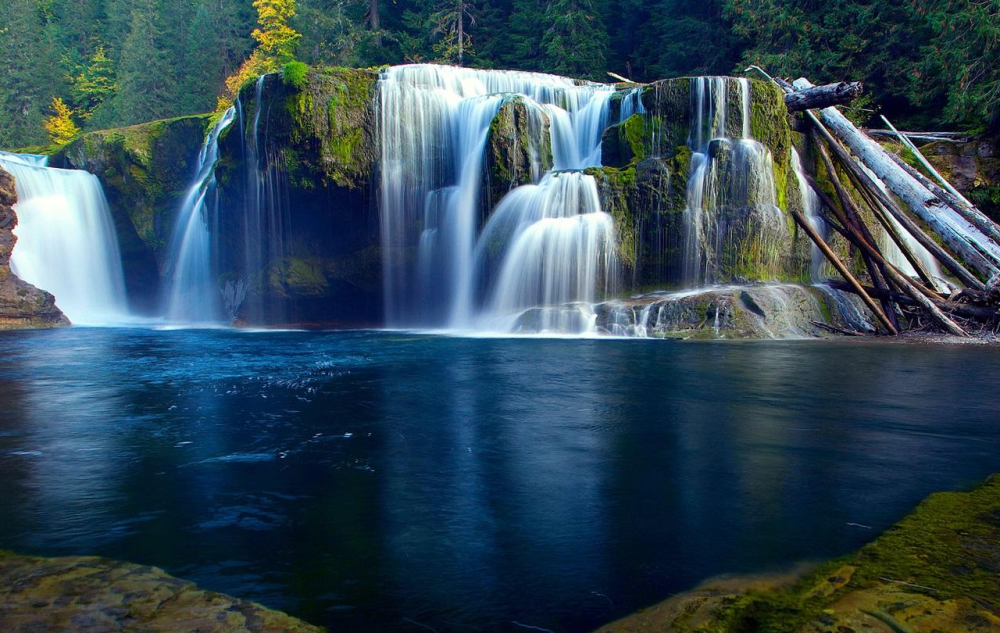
x=333 y=127
x=514 y=157
x=97 y=594
x=936 y=570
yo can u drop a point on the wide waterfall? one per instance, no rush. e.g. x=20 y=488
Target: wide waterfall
x=548 y=242
x=733 y=225
x=67 y=242
x=192 y=285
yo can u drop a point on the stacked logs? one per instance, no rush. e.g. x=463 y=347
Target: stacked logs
x=871 y=182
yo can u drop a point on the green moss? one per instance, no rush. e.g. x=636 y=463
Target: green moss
x=635 y=134
x=144 y=169
x=294 y=74
x=947 y=549
x=333 y=124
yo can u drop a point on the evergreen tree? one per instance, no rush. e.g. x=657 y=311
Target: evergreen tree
x=962 y=61
x=30 y=72
x=575 y=42
x=147 y=85
x=525 y=49
x=95 y=84
x=452 y=22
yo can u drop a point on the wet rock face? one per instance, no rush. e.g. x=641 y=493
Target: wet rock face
x=317 y=151
x=22 y=306
x=94 y=594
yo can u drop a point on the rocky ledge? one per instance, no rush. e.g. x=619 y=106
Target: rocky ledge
x=22 y=306
x=96 y=594
x=755 y=311
x=937 y=570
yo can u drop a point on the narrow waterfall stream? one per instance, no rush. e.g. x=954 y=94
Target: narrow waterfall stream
x=67 y=244
x=192 y=293
x=547 y=243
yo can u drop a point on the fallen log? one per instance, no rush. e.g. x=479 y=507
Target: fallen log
x=981 y=313
x=823 y=96
x=851 y=219
x=845 y=272
x=945 y=191
x=957 y=233
x=890 y=204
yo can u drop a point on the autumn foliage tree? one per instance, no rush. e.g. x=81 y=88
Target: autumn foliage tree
x=60 y=125
x=276 y=42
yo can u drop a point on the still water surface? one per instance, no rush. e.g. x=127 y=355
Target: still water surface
x=374 y=480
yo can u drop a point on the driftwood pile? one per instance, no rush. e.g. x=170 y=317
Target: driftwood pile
x=870 y=182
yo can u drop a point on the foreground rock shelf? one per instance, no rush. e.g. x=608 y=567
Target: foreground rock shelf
x=97 y=594
x=938 y=570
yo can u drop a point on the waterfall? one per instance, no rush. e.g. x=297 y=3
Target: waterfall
x=265 y=215
x=552 y=246
x=439 y=269
x=811 y=211
x=67 y=242
x=192 y=285
x=733 y=226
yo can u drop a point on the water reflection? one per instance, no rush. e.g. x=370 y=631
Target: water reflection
x=383 y=481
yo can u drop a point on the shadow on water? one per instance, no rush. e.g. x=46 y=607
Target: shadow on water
x=386 y=480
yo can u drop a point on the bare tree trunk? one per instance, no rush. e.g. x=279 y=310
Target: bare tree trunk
x=374 y=21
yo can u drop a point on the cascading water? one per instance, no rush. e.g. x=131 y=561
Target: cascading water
x=67 y=242
x=811 y=211
x=265 y=216
x=732 y=221
x=554 y=246
x=192 y=285
x=438 y=269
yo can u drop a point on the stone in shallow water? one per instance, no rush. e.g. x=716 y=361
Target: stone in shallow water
x=96 y=594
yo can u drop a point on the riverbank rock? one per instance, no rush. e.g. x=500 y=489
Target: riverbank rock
x=767 y=311
x=22 y=306
x=145 y=171
x=937 y=570
x=97 y=594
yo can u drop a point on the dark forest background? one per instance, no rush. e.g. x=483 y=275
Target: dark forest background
x=927 y=64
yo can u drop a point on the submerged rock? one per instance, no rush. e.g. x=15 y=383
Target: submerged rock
x=22 y=306
x=97 y=594
x=934 y=571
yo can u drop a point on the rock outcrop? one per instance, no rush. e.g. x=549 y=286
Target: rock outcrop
x=318 y=255
x=22 y=306
x=764 y=311
x=648 y=167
